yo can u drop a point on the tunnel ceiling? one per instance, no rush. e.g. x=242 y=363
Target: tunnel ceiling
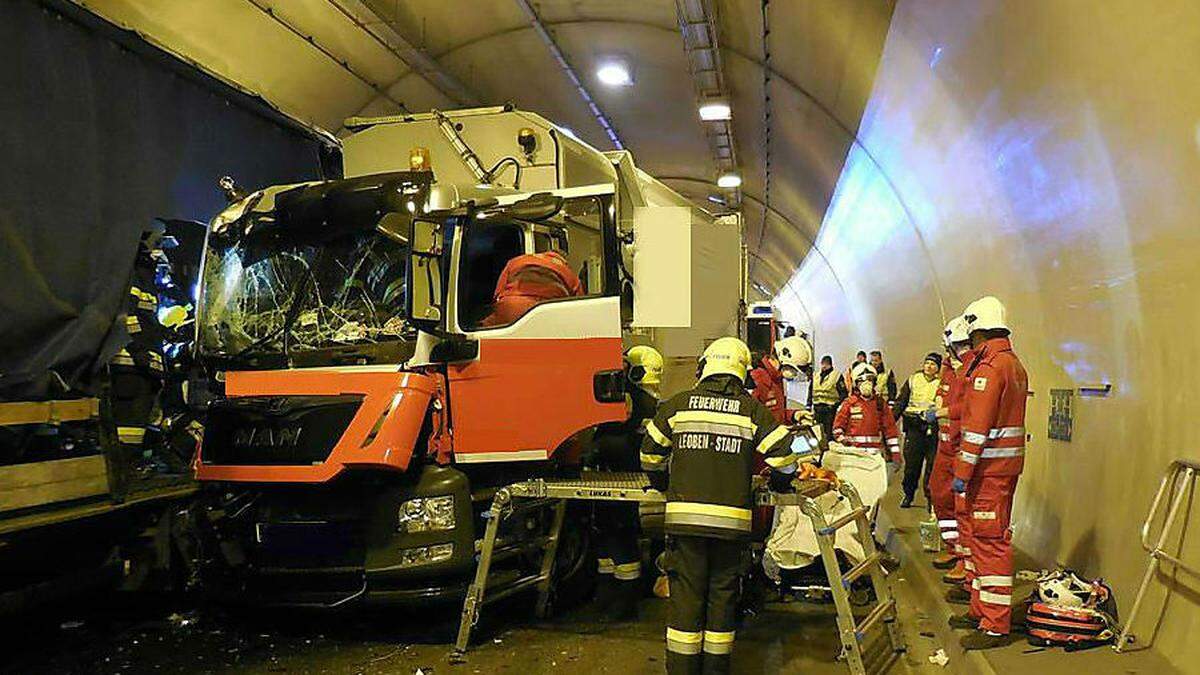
x=325 y=60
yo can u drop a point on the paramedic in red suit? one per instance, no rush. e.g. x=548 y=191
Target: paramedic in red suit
x=991 y=457
x=528 y=280
x=949 y=414
x=789 y=357
x=864 y=420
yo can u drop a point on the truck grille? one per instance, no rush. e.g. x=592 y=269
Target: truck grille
x=276 y=430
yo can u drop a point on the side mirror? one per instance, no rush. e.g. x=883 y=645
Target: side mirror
x=425 y=288
x=454 y=350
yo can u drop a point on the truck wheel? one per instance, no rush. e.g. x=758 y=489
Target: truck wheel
x=574 y=567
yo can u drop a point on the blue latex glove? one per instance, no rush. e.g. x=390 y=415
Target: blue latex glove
x=959 y=486
x=931 y=416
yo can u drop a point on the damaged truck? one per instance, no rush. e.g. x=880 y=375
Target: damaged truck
x=363 y=401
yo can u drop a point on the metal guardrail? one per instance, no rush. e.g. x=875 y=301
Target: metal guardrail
x=1180 y=475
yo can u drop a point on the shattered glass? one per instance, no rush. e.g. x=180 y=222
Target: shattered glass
x=350 y=290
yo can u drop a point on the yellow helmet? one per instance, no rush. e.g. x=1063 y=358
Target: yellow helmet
x=645 y=365
x=728 y=356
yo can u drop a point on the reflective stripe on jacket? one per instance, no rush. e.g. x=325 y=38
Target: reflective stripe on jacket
x=708 y=437
x=867 y=423
x=993 y=423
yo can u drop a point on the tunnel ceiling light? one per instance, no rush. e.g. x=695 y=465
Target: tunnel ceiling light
x=729 y=179
x=614 y=73
x=715 y=111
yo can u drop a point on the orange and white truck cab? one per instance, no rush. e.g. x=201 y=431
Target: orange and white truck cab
x=364 y=407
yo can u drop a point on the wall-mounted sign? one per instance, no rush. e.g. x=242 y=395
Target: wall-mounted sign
x=1062 y=414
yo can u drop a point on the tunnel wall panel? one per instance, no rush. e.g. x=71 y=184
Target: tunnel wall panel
x=1047 y=153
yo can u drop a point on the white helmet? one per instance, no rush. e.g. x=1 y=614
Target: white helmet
x=862 y=371
x=728 y=356
x=986 y=313
x=956 y=331
x=794 y=354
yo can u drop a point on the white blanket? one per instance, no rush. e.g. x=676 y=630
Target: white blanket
x=793 y=543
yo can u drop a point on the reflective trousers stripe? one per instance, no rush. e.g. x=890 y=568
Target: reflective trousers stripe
x=947 y=523
x=995 y=598
x=968 y=457
x=718 y=642
x=627 y=571
x=949 y=535
x=995 y=580
x=973 y=438
x=684 y=641
x=1002 y=452
x=605 y=565
x=131 y=434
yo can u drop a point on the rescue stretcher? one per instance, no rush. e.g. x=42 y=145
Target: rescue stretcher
x=635 y=487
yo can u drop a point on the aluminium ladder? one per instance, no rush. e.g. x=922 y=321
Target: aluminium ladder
x=635 y=487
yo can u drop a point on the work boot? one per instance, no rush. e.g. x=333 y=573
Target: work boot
x=624 y=604
x=958 y=596
x=602 y=600
x=985 y=640
x=955 y=576
x=963 y=621
x=944 y=560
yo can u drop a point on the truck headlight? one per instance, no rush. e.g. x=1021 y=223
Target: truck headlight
x=427 y=514
x=426 y=555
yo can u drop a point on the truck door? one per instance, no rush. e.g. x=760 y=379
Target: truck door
x=540 y=375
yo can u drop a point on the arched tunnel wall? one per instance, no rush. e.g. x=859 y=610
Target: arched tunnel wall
x=1047 y=153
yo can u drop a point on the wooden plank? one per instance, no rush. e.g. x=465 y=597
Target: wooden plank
x=88 y=510
x=37 y=483
x=41 y=412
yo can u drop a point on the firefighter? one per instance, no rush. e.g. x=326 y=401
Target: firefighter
x=528 y=280
x=885 y=379
x=828 y=390
x=618 y=445
x=949 y=414
x=916 y=405
x=990 y=460
x=710 y=435
x=864 y=420
x=136 y=371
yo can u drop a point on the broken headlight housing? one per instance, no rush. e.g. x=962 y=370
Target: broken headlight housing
x=427 y=514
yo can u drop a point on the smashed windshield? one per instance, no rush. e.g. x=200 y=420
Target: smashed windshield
x=278 y=297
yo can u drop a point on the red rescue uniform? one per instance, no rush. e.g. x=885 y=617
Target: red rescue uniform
x=867 y=423
x=950 y=395
x=991 y=457
x=768 y=390
x=528 y=280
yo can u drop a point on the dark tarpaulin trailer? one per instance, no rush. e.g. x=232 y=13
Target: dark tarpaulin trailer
x=101 y=133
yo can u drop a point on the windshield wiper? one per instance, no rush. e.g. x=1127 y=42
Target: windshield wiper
x=299 y=287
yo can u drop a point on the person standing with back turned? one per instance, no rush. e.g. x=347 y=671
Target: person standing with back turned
x=991 y=457
x=710 y=434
